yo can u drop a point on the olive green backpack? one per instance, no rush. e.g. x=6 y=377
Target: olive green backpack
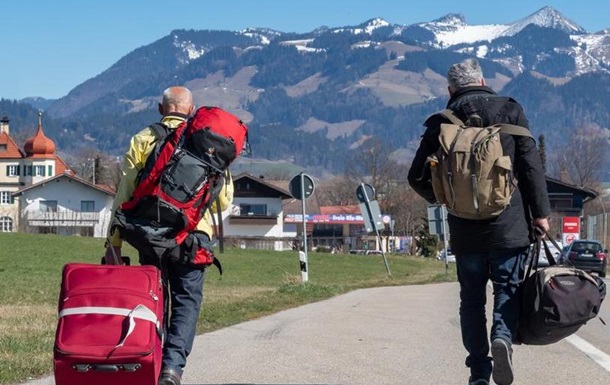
x=470 y=173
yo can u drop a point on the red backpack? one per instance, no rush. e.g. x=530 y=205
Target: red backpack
x=180 y=180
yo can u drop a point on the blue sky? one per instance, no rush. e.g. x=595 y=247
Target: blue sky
x=51 y=46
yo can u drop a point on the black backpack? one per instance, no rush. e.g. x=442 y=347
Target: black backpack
x=556 y=300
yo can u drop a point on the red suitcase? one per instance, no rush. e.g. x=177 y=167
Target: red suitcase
x=110 y=327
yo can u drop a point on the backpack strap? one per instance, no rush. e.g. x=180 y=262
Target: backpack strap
x=512 y=129
x=160 y=130
x=451 y=116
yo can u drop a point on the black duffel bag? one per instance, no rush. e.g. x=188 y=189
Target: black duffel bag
x=556 y=300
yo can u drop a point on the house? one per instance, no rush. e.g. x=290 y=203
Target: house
x=67 y=205
x=265 y=215
x=256 y=219
x=20 y=168
x=567 y=199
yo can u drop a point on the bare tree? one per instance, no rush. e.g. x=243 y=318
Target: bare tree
x=542 y=151
x=337 y=191
x=96 y=167
x=374 y=165
x=582 y=160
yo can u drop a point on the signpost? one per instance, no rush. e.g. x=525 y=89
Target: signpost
x=437 y=225
x=302 y=187
x=570 y=230
x=372 y=215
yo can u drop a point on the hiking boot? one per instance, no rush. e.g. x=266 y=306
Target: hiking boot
x=501 y=352
x=169 y=377
x=480 y=381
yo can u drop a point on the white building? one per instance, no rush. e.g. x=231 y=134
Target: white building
x=21 y=168
x=256 y=219
x=67 y=205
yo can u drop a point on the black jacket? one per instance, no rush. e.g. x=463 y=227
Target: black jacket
x=511 y=229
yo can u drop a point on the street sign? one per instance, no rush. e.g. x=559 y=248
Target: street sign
x=365 y=192
x=570 y=230
x=372 y=220
x=301 y=186
x=372 y=215
x=437 y=220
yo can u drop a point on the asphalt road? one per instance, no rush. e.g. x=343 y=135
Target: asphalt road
x=406 y=335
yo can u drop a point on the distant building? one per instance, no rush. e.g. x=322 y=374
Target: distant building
x=66 y=205
x=20 y=168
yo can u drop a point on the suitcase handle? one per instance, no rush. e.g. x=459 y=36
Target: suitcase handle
x=82 y=368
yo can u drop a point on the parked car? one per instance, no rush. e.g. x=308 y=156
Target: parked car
x=587 y=255
x=365 y=252
x=448 y=254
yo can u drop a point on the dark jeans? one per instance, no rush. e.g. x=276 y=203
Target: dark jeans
x=185 y=287
x=505 y=268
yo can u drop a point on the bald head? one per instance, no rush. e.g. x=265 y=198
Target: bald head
x=177 y=99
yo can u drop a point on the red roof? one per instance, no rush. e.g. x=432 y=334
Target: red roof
x=346 y=209
x=12 y=150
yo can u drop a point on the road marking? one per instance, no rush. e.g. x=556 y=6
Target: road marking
x=601 y=358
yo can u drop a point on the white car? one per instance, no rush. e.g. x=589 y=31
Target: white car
x=450 y=256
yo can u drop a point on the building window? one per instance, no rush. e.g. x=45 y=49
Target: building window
x=87 y=231
x=27 y=170
x=6 y=224
x=48 y=206
x=12 y=170
x=252 y=209
x=87 y=206
x=50 y=170
x=6 y=198
x=2 y=147
x=39 y=171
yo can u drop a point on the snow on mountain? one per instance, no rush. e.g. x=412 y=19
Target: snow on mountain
x=367 y=27
x=546 y=17
x=592 y=52
x=263 y=35
x=452 y=29
x=191 y=50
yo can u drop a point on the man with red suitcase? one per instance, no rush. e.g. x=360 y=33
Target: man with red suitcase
x=184 y=278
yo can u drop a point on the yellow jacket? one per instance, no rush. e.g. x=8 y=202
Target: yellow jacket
x=140 y=147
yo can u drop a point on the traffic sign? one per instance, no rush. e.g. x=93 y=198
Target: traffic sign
x=437 y=220
x=301 y=186
x=372 y=216
x=365 y=192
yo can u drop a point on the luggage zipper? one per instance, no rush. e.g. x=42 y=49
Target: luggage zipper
x=134 y=293
x=85 y=357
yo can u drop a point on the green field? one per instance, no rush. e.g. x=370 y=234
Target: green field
x=254 y=283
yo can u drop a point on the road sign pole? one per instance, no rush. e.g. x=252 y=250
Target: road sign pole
x=304 y=264
x=368 y=210
x=302 y=187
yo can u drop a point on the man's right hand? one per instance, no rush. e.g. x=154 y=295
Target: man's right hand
x=543 y=224
x=111 y=252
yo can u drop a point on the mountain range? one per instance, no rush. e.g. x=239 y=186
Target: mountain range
x=314 y=98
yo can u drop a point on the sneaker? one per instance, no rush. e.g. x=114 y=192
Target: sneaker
x=501 y=352
x=480 y=381
x=169 y=377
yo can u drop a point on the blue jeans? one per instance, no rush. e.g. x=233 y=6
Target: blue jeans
x=184 y=284
x=186 y=296
x=505 y=268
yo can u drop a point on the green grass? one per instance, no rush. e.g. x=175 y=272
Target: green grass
x=255 y=283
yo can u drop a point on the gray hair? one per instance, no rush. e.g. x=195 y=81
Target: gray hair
x=465 y=73
x=177 y=97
